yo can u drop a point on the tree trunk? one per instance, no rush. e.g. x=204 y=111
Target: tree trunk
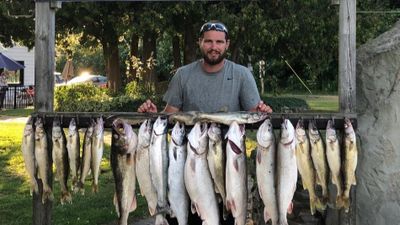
x=190 y=41
x=111 y=57
x=176 y=49
x=134 y=45
x=149 y=52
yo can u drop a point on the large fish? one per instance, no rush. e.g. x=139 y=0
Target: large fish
x=177 y=195
x=42 y=159
x=334 y=160
x=349 y=163
x=229 y=117
x=318 y=156
x=216 y=160
x=60 y=159
x=86 y=157
x=142 y=158
x=28 y=152
x=122 y=159
x=305 y=165
x=198 y=179
x=188 y=118
x=73 y=148
x=265 y=171
x=159 y=161
x=286 y=171
x=236 y=173
x=97 y=152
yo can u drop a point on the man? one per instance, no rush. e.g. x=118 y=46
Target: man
x=3 y=88
x=213 y=83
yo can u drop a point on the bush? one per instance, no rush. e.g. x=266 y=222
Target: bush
x=287 y=104
x=81 y=98
x=90 y=98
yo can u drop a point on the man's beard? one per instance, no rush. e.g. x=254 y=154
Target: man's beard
x=213 y=62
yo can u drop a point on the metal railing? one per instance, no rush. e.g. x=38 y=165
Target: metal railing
x=17 y=97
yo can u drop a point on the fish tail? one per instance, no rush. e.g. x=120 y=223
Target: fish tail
x=95 y=187
x=160 y=220
x=320 y=205
x=346 y=204
x=80 y=187
x=339 y=202
x=66 y=197
x=34 y=187
x=47 y=194
x=313 y=203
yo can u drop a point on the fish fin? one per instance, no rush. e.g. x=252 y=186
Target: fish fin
x=193 y=207
x=313 y=203
x=152 y=211
x=236 y=165
x=133 y=204
x=34 y=187
x=198 y=210
x=160 y=220
x=354 y=182
x=259 y=157
x=267 y=216
x=193 y=165
x=234 y=147
x=47 y=194
x=115 y=201
x=290 y=208
x=233 y=206
x=174 y=153
x=339 y=202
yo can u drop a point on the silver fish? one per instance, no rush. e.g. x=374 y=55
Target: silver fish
x=86 y=157
x=97 y=152
x=198 y=179
x=60 y=159
x=236 y=173
x=305 y=165
x=42 y=159
x=318 y=156
x=334 y=160
x=188 y=118
x=73 y=148
x=265 y=170
x=142 y=158
x=349 y=163
x=159 y=161
x=177 y=195
x=28 y=148
x=122 y=159
x=216 y=161
x=229 y=117
x=286 y=170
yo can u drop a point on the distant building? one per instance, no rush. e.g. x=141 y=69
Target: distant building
x=26 y=57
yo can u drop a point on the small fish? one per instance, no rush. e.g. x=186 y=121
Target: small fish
x=97 y=152
x=28 y=148
x=350 y=162
x=177 y=195
x=122 y=159
x=73 y=148
x=286 y=170
x=60 y=159
x=265 y=170
x=86 y=157
x=236 y=173
x=42 y=159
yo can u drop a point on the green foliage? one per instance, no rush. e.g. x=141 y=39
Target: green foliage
x=81 y=98
x=286 y=104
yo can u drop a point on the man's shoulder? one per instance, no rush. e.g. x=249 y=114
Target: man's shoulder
x=237 y=68
x=189 y=67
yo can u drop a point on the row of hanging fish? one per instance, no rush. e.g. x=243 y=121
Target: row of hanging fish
x=276 y=170
x=65 y=154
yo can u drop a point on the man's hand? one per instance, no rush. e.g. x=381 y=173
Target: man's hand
x=147 y=106
x=262 y=107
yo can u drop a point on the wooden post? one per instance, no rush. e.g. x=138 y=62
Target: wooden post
x=347 y=56
x=347 y=80
x=44 y=82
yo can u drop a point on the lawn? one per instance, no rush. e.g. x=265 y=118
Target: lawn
x=16 y=203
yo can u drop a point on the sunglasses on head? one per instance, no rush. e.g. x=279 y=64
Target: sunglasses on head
x=213 y=26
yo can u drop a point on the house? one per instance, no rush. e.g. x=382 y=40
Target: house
x=26 y=57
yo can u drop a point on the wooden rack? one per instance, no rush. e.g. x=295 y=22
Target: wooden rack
x=134 y=118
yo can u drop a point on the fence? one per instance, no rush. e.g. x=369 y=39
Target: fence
x=17 y=97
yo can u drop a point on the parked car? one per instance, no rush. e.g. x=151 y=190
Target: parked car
x=98 y=80
x=58 y=79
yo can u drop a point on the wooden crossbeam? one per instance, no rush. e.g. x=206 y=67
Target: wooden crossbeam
x=133 y=118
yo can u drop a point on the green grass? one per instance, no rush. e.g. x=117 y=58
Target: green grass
x=16 y=202
x=17 y=112
x=318 y=103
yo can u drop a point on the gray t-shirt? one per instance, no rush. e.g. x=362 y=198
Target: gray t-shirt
x=231 y=89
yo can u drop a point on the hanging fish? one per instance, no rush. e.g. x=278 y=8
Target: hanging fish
x=28 y=152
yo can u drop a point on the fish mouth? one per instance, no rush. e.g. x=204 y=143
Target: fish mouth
x=118 y=126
